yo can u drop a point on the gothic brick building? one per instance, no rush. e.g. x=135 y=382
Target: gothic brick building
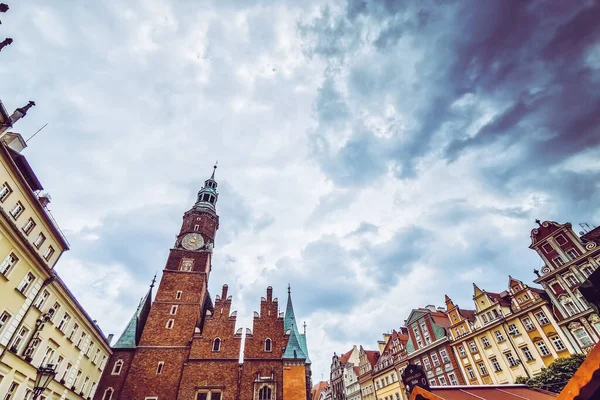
x=183 y=346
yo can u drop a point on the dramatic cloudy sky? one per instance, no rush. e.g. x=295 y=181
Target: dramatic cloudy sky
x=374 y=154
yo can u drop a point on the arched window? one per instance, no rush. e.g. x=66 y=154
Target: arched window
x=108 y=394
x=569 y=306
x=117 y=367
x=265 y=393
x=217 y=344
x=268 y=345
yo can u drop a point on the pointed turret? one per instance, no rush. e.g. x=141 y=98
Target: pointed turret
x=293 y=349
x=476 y=290
x=449 y=303
x=207 y=196
x=131 y=335
x=290 y=317
x=297 y=340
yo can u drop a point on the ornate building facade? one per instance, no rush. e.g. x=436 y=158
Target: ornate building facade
x=367 y=360
x=42 y=325
x=185 y=346
x=509 y=335
x=568 y=260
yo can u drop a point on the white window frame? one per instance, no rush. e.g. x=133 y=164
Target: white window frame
x=64 y=322
x=485 y=342
x=528 y=324
x=20 y=338
x=4 y=318
x=5 y=191
x=527 y=353
x=49 y=253
x=461 y=351
x=444 y=355
x=39 y=303
x=178 y=295
x=17 y=210
x=170 y=323
x=435 y=359
x=29 y=226
x=542 y=318
x=495 y=364
x=543 y=348
x=117 y=367
x=27 y=283
x=557 y=343
x=39 y=241
x=109 y=391
x=160 y=367
x=470 y=372
x=173 y=310
x=499 y=337
x=8 y=263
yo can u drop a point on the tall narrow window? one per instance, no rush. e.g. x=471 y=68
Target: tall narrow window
x=470 y=372
x=160 y=367
x=66 y=373
x=26 y=283
x=527 y=353
x=117 y=367
x=12 y=389
x=542 y=348
x=48 y=253
x=39 y=303
x=572 y=253
x=528 y=324
x=170 y=323
x=511 y=360
x=48 y=355
x=19 y=339
x=541 y=317
x=108 y=393
x=582 y=337
x=196 y=227
x=62 y=325
x=482 y=369
x=268 y=344
x=173 y=310
x=28 y=227
x=216 y=345
x=40 y=240
x=265 y=393
x=17 y=210
x=495 y=364
x=178 y=295
x=558 y=261
x=558 y=344
x=4 y=318
x=499 y=336
x=8 y=263
x=5 y=191
x=81 y=340
x=73 y=331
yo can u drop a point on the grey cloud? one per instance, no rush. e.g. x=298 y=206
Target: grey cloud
x=364 y=228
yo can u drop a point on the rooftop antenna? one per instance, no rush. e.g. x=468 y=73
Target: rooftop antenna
x=36 y=132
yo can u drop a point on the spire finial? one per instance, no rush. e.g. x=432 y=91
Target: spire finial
x=153 y=281
x=304 y=327
x=537 y=221
x=289 y=289
x=214 y=169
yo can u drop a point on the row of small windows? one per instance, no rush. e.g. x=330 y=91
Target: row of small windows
x=30 y=224
x=208 y=198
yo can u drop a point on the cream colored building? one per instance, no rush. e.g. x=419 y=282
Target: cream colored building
x=41 y=322
x=513 y=334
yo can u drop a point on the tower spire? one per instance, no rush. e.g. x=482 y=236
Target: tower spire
x=214 y=170
x=207 y=196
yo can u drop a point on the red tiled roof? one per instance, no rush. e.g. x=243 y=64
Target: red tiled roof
x=317 y=389
x=502 y=300
x=485 y=392
x=345 y=357
x=372 y=356
x=441 y=319
x=594 y=235
x=356 y=371
x=469 y=315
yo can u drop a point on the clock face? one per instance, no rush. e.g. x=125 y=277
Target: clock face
x=192 y=241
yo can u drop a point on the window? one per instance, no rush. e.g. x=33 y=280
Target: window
x=66 y=373
x=26 y=283
x=8 y=263
x=462 y=351
x=587 y=270
x=117 y=367
x=442 y=381
x=49 y=252
x=47 y=356
x=496 y=315
x=495 y=364
x=178 y=295
x=62 y=325
x=462 y=329
x=511 y=360
x=473 y=347
x=103 y=362
x=74 y=331
x=40 y=240
x=53 y=311
x=268 y=345
x=196 y=227
x=571 y=280
x=558 y=344
x=582 y=337
x=28 y=394
x=160 y=367
x=426 y=364
x=265 y=393
x=482 y=369
x=512 y=329
x=216 y=345
x=444 y=354
x=173 y=310
x=484 y=318
x=20 y=338
x=4 y=317
x=499 y=337
x=558 y=261
x=12 y=389
x=85 y=383
x=470 y=372
x=17 y=210
x=89 y=349
x=436 y=360
x=542 y=348
x=528 y=324
x=485 y=342
x=453 y=380
x=186 y=265
x=28 y=227
x=560 y=239
x=572 y=253
x=108 y=394
x=39 y=303
x=541 y=317
x=79 y=372
x=457 y=333
x=81 y=340
x=547 y=248
x=569 y=306
x=527 y=353
x=425 y=332
x=432 y=382
x=5 y=191
x=170 y=323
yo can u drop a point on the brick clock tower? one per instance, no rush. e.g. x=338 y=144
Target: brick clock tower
x=184 y=346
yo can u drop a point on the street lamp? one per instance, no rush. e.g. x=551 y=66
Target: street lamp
x=43 y=379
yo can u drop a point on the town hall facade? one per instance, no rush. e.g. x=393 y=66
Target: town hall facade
x=185 y=346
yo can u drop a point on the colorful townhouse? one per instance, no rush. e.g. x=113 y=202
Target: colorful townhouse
x=388 y=385
x=367 y=360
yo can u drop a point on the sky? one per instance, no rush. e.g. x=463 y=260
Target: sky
x=376 y=155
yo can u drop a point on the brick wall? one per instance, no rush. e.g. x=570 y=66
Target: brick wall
x=114 y=381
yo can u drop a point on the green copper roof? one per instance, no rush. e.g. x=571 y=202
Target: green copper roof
x=290 y=318
x=293 y=350
x=131 y=335
x=304 y=347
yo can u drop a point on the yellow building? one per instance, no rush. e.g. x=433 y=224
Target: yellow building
x=368 y=359
x=510 y=334
x=386 y=378
x=41 y=322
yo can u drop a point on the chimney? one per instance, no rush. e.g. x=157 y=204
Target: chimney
x=21 y=112
x=269 y=294
x=430 y=307
x=224 y=292
x=110 y=338
x=44 y=199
